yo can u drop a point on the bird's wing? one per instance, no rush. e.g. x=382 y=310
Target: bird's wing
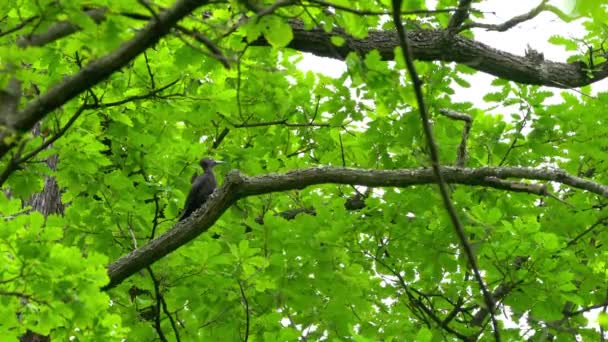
x=202 y=187
x=192 y=202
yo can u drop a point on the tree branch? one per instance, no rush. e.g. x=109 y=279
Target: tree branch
x=462 y=155
x=99 y=69
x=60 y=30
x=434 y=155
x=509 y=23
x=461 y=14
x=14 y=164
x=439 y=45
x=324 y=4
x=237 y=186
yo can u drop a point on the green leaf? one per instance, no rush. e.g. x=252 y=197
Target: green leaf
x=337 y=40
x=276 y=31
x=424 y=335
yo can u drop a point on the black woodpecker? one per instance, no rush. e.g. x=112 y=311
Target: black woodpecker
x=202 y=187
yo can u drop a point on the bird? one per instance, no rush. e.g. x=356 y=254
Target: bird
x=202 y=187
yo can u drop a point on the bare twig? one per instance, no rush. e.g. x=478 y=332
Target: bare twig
x=462 y=155
x=598 y=223
x=60 y=30
x=158 y=296
x=19 y=26
x=434 y=155
x=461 y=15
x=220 y=138
x=55 y=136
x=238 y=82
x=171 y=320
x=149 y=8
x=522 y=124
x=13 y=163
x=148 y=95
x=282 y=123
x=247 y=312
x=150 y=74
x=416 y=302
x=509 y=23
x=321 y=3
x=260 y=12
x=209 y=44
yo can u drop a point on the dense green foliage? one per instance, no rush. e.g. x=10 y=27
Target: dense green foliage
x=391 y=271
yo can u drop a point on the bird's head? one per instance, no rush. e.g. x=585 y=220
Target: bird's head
x=208 y=164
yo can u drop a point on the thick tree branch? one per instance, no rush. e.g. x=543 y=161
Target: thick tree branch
x=439 y=45
x=237 y=186
x=59 y=30
x=428 y=45
x=99 y=69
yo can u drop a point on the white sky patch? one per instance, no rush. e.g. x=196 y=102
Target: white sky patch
x=327 y=66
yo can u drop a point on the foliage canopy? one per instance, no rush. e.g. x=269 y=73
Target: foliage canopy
x=338 y=231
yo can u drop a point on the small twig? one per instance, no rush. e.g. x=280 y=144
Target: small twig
x=171 y=320
x=270 y=9
x=462 y=155
x=513 y=144
x=156 y=215
x=220 y=138
x=434 y=155
x=560 y=200
x=209 y=44
x=460 y=16
x=148 y=95
x=260 y=12
x=322 y=3
x=238 y=82
x=417 y=304
x=342 y=151
x=158 y=296
x=597 y=223
x=586 y=309
x=314 y=116
x=13 y=163
x=509 y=23
x=149 y=70
x=59 y=30
x=280 y=122
x=147 y=6
x=247 y=313
x=304 y=150
x=132 y=233
x=19 y=26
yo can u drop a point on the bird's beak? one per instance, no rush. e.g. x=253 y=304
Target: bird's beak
x=219 y=162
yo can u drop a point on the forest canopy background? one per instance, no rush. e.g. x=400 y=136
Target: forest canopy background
x=377 y=205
